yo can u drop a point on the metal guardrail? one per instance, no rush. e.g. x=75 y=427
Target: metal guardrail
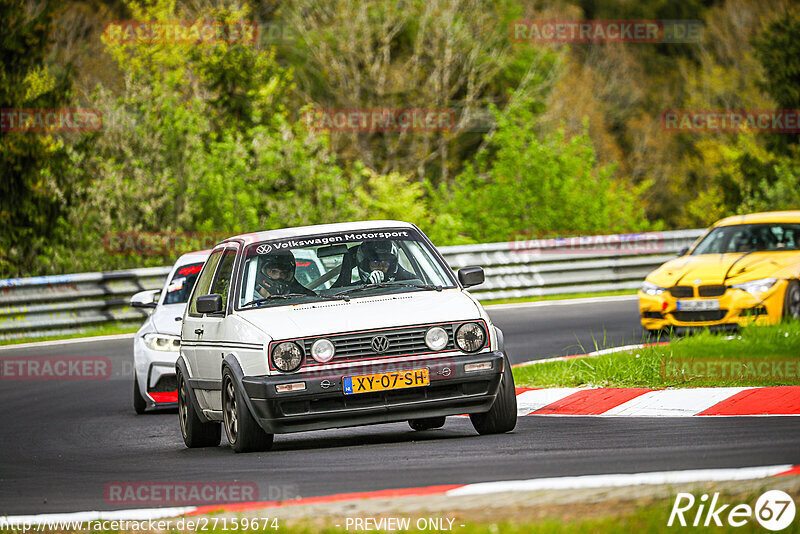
x=56 y=305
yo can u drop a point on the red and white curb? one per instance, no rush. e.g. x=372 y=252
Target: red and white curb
x=644 y=402
x=451 y=490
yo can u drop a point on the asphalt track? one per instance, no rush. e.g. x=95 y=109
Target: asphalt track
x=63 y=442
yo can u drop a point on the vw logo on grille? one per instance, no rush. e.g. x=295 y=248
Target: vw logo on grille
x=380 y=344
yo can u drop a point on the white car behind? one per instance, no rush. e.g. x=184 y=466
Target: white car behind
x=157 y=343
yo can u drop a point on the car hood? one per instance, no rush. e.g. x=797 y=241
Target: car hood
x=363 y=313
x=163 y=318
x=710 y=269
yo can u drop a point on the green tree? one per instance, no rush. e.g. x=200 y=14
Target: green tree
x=523 y=181
x=34 y=188
x=777 y=48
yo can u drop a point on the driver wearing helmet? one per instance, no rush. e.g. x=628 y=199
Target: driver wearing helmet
x=276 y=276
x=377 y=262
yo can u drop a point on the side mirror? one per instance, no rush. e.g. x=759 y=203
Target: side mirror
x=471 y=276
x=683 y=251
x=145 y=299
x=209 y=303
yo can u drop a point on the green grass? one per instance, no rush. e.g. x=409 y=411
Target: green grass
x=703 y=359
x=649 y=515
x=562 y=296
x=105 y=330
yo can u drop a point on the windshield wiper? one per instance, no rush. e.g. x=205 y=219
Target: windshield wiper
x=292 y=295
x=367 y=287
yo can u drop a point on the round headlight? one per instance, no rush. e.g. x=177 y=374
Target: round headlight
x=470 y=337
x=322 y=350
x=287 y=356
x=436 y=338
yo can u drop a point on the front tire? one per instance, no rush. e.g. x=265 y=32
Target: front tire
x=139 y=404
x=791 y=301
x=426 y=423
x=502 y=416
x=195 y=432
x=244 y=433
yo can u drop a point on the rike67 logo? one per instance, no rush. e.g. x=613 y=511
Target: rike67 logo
x=774 y=510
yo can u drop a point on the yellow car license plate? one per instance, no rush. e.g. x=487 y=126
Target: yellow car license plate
x=384 y=381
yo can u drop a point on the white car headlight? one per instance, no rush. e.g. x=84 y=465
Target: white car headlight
x=287 y=356
x=436 y=338
x=756 y=286
x=649 y=288
x=323 y=350
x=163 y=342
x=470 y=337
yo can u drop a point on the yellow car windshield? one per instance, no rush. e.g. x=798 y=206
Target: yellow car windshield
x=750 y=238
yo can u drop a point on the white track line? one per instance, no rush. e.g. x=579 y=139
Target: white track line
x=634 y=479
x=142 y=514
x=564 y=302
x=67 y=341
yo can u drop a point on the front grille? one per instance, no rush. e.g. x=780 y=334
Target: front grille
x=165 y=384
x=652 y=315
x=681 y=292
x=755 y=312
x=711 y=291
x=699 y=316
x=401 y=341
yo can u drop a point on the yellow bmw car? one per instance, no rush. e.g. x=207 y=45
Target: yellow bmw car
x=743 y=271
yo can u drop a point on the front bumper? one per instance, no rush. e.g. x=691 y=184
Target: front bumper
x=737 y=308
x=155 y=373
x=323 y=404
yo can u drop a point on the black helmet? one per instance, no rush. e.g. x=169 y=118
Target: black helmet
x=374 y=254
x=280 y=259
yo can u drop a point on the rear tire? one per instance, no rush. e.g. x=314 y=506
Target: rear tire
x=196 y=433
x=427 y=423
x=244 y=433
x=139 y=404
x=502 y=416
x=791 y=301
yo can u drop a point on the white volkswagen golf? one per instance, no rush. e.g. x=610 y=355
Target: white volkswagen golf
x=385 y=333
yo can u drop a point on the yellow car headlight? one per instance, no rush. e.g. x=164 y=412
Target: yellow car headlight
x=754 y=287
x=649 y=288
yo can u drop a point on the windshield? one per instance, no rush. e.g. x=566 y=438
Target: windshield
x=179 y=288
x=750 y=238
x=348 y=264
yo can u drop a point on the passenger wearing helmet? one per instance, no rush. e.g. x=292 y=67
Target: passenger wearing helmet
x=377 y=262
x=276 y=276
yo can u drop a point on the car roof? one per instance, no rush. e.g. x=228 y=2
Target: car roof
x=303 y=231
x=192 y=257
x=764 y=217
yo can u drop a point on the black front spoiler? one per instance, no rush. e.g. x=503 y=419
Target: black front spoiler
x=323 y=404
